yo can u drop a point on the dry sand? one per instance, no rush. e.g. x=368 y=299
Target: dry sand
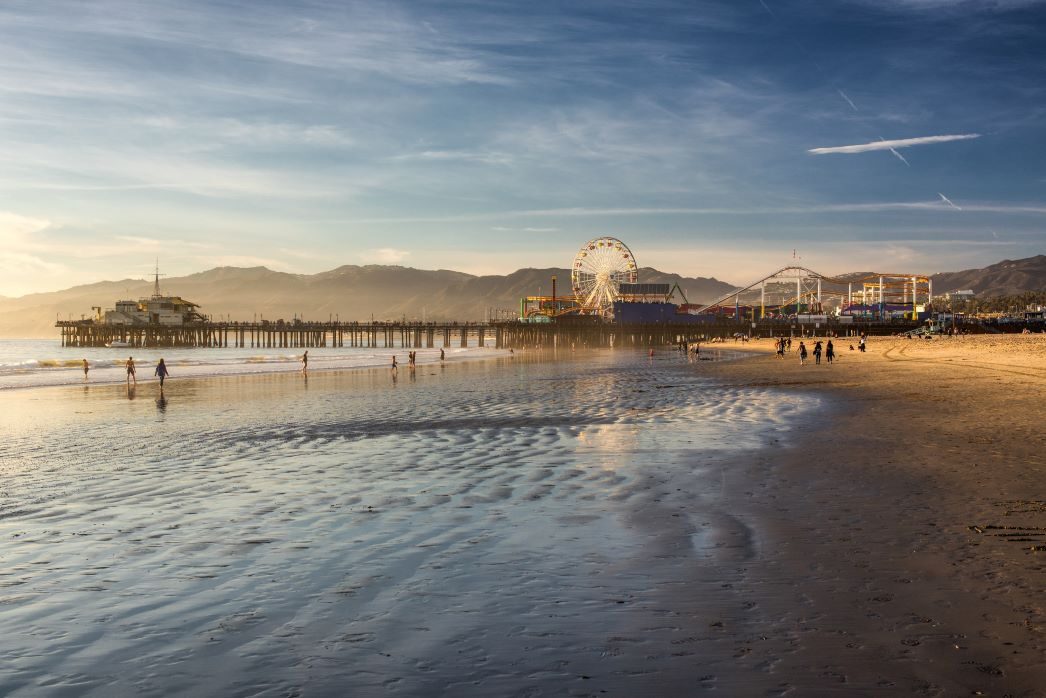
x=903 y=537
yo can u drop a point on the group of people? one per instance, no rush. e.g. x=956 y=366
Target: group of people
x=161 y=371
x=412 y=359
x=784 y=344
x=132 y=371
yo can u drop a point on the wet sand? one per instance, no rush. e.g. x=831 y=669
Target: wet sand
x=512 y=527
x=601 y=524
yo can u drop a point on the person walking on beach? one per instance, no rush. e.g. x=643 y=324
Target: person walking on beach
x=817 y=353
x=780 y=347
x=86 y=369
x=162 y=372
x=305 y=362
x=802 y=354
x=829 y=352
x=394 y=366
x=788 y=344
x=130 y=370
x=860 y=344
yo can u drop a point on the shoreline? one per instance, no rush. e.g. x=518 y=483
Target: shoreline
x=250 y=366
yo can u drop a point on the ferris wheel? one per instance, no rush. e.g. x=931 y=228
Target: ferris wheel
x=600 y=267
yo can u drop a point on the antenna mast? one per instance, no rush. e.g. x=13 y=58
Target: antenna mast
x=156 y=279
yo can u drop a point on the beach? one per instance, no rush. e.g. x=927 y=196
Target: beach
x=910 y=523
x=590 y=523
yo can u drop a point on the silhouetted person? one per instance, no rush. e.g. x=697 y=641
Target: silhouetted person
x=829 y=352
x=87 y=368
x=162 y=372
x=394 y=365
x=802 y=354
x=442 y=355
x=817 y=353
x=305 y=362
x=130 y=370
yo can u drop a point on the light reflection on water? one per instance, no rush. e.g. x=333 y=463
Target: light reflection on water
x=233 y=529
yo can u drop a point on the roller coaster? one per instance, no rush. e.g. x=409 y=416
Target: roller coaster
x=796 y=291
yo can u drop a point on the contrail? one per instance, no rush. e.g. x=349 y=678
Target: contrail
x=848 y=100
x=766 y=7
x=887 y=145
x=894 y=151
x=948 y=201
x=900 y=157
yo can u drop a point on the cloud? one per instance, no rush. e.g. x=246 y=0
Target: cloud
x=891 y=145
x=797 y=210
x=490 y=158
x=237 y=260
x=15 y=228
x=385 y=255
x=167 y=243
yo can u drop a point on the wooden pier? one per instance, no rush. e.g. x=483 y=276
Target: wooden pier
x=502 y=335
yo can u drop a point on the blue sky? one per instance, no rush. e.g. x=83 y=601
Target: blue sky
x=488 y=136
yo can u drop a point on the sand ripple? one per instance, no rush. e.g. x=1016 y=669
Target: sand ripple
x=462 y=532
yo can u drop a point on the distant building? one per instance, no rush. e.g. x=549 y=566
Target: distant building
x=960 y=295
x=157 y=310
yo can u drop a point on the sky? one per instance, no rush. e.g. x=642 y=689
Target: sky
x=723 y=139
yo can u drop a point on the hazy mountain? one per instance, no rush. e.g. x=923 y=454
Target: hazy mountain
x=1008 y=277
x=392 y=292
x=348 y=292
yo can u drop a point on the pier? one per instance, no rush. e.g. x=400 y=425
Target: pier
x=501 y=335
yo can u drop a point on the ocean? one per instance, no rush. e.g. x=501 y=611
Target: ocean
x=29 y=363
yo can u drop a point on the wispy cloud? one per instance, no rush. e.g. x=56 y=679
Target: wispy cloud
x=490 y=158
x=891 y=145
x=385 y=255
x=810 y=209
x=15 y=228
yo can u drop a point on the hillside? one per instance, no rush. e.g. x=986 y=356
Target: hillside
x=1008 y=277
x=348 y=292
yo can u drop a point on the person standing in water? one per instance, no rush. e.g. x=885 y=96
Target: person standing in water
x=394 y=366
x=305 y=362
x=130 y=370
x=162 y=372
x=87 y=368
x=442 y=355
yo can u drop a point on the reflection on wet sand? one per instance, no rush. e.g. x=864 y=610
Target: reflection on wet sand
x=266 y=524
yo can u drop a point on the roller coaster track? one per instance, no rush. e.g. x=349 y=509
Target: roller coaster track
x=802 y=273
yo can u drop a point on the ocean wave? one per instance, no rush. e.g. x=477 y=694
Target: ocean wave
x=106 y=368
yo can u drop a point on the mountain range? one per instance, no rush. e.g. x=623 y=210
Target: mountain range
x=396 y=293
x=348 y=293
